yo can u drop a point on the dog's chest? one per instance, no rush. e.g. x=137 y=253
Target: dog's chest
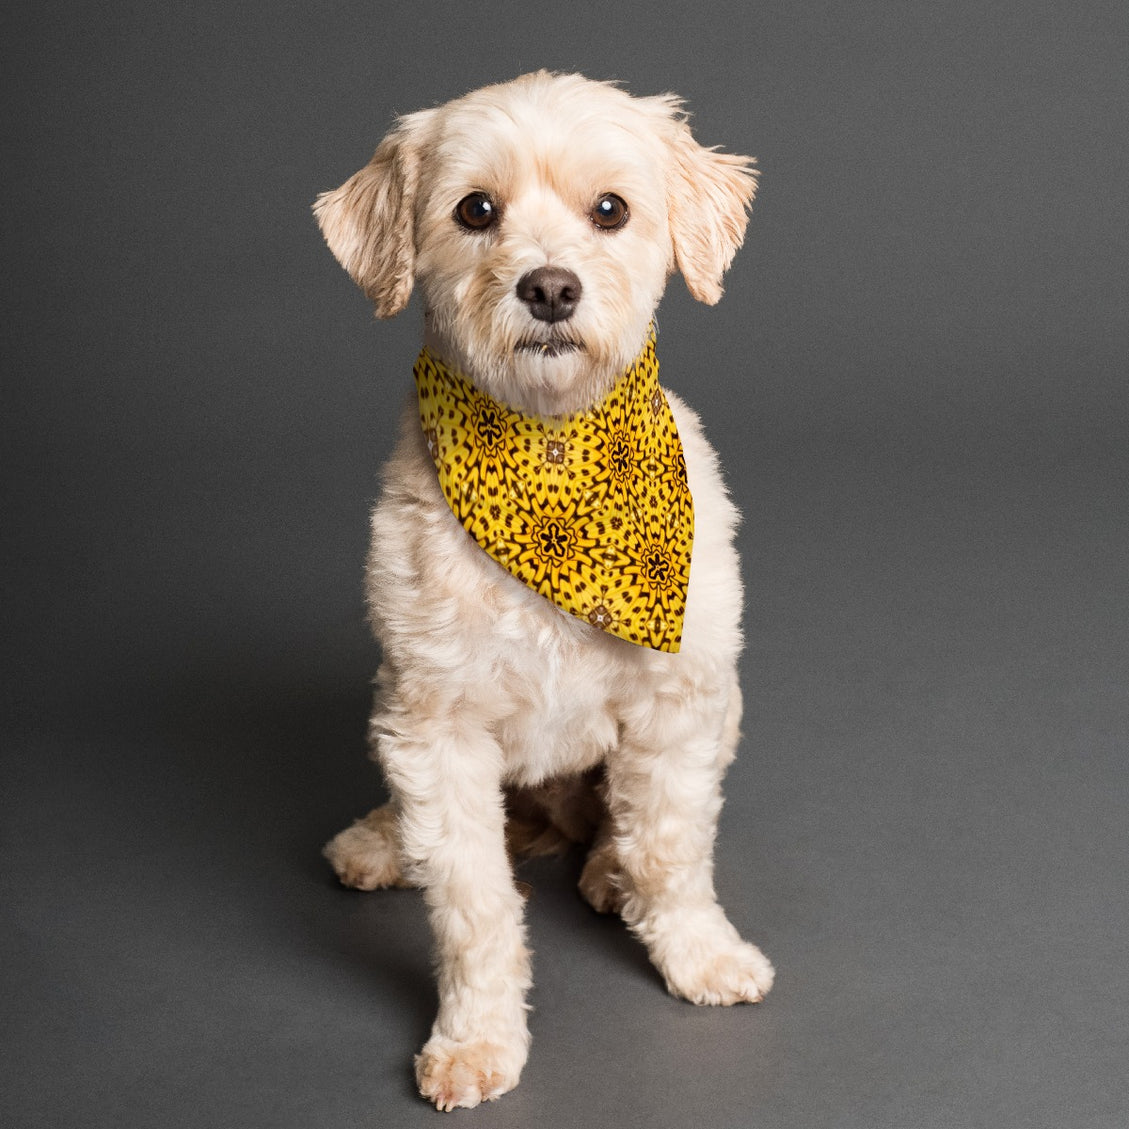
x=561 y=720
x=550 y=687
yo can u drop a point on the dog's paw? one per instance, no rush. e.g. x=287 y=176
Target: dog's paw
x=461 y=1075
x=599 y=881
x=733 y=972
x=366 y=856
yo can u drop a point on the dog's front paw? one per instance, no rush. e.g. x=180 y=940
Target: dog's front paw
x=704 y=960
x=731 y=972
x=366 y=856
x=461 y=1075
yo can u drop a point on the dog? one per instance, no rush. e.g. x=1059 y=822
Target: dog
x=540 y=220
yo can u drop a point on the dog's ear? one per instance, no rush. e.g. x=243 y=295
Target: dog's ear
x=710 y=194
x=368 y=222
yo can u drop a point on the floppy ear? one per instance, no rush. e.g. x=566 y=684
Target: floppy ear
x=368 y=222
x=710 y=194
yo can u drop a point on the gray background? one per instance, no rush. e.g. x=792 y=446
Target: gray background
x=917 y=383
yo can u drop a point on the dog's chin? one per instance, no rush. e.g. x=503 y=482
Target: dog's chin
x=551 y=374
x=549 y=378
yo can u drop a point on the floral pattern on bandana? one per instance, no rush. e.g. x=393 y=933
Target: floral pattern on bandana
x=592 y=510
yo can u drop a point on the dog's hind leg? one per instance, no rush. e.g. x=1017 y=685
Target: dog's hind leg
x=664 y=794
x=601 y=884
x=366 y=856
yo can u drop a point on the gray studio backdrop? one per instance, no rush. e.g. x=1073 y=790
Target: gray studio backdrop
x=917 y=383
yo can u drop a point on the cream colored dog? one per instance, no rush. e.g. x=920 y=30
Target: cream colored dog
x=492 y=701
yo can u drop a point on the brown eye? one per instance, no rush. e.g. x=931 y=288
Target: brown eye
x=609 y=212
x=476 y=212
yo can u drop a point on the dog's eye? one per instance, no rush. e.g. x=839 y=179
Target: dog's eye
x=609 y=212
x=476 y=212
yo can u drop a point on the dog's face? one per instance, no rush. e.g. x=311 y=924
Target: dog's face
x=541 y=219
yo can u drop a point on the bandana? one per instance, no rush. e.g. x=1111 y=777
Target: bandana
x=591 y=511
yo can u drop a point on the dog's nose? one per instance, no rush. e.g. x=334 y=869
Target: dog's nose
x=551 y=293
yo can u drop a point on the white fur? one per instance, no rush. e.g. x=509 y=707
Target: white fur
x=486 y=689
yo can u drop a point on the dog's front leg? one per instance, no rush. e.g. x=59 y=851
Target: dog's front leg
x=446 y=776
x=664 y=795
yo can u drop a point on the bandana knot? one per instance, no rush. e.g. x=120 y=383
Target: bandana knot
x=592 y=510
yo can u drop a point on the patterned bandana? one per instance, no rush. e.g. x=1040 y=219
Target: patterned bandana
x=591 y=511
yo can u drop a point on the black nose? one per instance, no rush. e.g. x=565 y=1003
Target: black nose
x=551 y=293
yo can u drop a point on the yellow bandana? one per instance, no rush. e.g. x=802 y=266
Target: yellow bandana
x=591 y=511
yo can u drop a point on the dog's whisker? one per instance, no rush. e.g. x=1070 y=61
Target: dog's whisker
x=554 y=347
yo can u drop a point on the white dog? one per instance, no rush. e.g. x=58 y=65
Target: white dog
x=541 y=219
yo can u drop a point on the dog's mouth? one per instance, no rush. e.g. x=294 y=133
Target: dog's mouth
x=554 y=347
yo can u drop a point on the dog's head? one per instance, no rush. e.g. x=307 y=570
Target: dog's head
x=541 y=219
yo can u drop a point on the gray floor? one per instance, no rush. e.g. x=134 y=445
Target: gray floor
x=926 y=830
x=917 y=384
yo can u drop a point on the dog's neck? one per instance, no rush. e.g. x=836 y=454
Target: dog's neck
x=591 y=510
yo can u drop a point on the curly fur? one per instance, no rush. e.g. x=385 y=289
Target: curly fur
x=491 y=701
